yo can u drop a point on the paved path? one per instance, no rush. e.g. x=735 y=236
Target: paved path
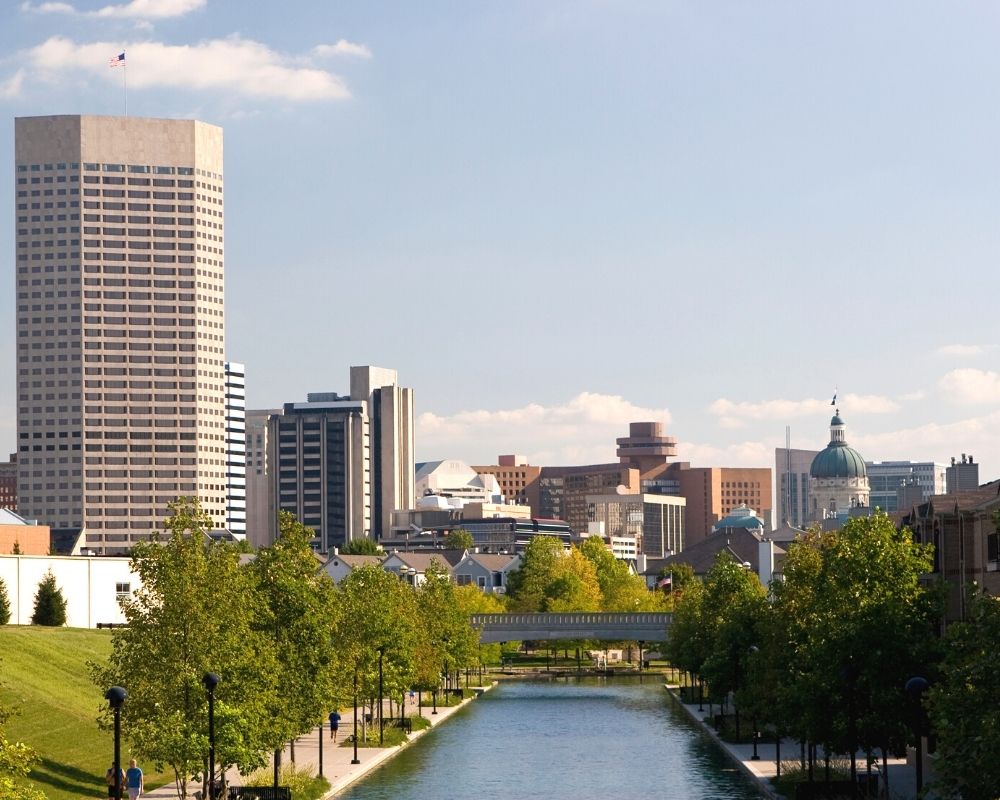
x=337 y=766
x=902 y=775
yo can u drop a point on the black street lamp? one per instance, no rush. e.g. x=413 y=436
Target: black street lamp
x=355 y=737
x=116 y=697
x=381 y=727
x=915 y=688
x=210 y=680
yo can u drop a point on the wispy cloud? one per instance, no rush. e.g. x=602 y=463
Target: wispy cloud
x=342 y=48
x=582 y=430
x=234 y=64
x=736 y=414
x=137 y=9
x=11 y=87
x=961 y=350
x=968 y=386
x=738 y=454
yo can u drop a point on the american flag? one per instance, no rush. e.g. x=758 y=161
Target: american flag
x=118 y=60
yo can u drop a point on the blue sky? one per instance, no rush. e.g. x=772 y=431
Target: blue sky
x=556 y=217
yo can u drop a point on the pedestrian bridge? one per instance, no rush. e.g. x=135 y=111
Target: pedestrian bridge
x=647 y=627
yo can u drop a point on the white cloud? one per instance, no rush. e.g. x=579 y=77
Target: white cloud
x=739 y=454
x=581 y=431
x=12 y=86
x=736 y=414
x=961 y=350
x=342 y=48
x=233 y=64
x=969 y=386
x=137 y=9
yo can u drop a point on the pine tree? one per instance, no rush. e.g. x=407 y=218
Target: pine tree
x=50 y=605
x=4 y=604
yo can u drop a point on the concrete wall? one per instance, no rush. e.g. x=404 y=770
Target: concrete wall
x=88 y=584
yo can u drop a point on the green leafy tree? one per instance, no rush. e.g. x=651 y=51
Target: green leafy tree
x=471 y=600
x=573 y=586
x=378 y=616
x=194 y=614
x=4 y=603
x=16 y=761
x=621 y=590
x=361 y=547
x=527 y=584
x=50 y=605
x=296 y=610
x=444 y=621
x=963 y=705
x=687 y=647
x=852 y=623
x=459 y=539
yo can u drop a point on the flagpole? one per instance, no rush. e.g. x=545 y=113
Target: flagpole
x=125 y=85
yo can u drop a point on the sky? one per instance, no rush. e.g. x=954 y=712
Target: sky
x=554 y=218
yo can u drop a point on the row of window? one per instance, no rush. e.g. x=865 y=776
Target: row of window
x=89 y=166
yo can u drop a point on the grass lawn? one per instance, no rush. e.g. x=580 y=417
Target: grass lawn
x=46 y=682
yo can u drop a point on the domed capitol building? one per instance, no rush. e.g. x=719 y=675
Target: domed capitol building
x=838 y=480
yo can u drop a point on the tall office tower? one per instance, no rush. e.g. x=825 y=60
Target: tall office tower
x=886 y=478
x=236 y=450
x=317 y=450
x=390 y=417
x=121 y=331
x=260 y=509
x=8 y=483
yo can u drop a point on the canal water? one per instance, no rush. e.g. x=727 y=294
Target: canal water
x=588 y=740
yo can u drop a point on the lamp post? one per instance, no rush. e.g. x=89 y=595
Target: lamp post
x=355 y=737
x=116 y=697
x=210 y=680
x=915 y=688
x=381 y=727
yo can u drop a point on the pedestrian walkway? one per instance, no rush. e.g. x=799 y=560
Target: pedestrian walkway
x=337 y=766
x=902 y=777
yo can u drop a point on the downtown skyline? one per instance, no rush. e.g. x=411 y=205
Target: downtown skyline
x=556 y=219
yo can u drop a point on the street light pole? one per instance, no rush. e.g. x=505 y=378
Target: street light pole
x=116 y=697
x=355 y=759
x=381 y=727
x=210 y=680
x=915 y=688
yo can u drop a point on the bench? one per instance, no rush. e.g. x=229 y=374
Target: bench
x=394 y=722
x=111 y=625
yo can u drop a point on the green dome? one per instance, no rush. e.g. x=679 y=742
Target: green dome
x=838 y=460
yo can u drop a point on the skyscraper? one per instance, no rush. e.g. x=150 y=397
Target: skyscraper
x=120 y=324
x=236 y=449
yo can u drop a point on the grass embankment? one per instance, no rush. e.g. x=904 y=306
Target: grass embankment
x=45 y=680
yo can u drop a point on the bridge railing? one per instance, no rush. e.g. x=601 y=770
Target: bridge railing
x=557 y=620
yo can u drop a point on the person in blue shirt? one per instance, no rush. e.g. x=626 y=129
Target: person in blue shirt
x=334 y=724
x=133 y=781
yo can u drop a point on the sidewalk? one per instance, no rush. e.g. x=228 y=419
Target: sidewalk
x=902 y=778
x=337 y=766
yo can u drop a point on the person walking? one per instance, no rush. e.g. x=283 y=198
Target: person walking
x=109 y=776
x=133 y=781
x=334 y=724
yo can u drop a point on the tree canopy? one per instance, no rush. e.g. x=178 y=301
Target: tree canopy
x=361 y=547
x=459 y=539
x=50 y=605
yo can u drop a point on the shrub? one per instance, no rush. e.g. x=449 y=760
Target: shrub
x=50 y=605
x=304 y=785
x=4 y=604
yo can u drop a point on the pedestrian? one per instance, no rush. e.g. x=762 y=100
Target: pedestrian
x=133 y=781
x=334 y=724
x=109 y=776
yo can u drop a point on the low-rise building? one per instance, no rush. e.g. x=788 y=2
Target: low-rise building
x=340 y=566
x=18 y=535
x=412 y=567
x=488 y=571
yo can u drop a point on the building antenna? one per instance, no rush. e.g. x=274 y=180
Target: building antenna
x=788 y=475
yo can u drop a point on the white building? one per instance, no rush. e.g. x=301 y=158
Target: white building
x=91 y=586
x=451 y=478
x=838 y=478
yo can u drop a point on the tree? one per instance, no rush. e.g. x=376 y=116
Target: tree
x=377 y=621
x=194 y=614
x=361 y=547
x=4 y=603
x=621 y=591
x=573 y=586
x=296 y=610
x=444 y=621
x=459 y=539
x=50 y=605
x=16 y=760
x=526 y=585
x=963 y=706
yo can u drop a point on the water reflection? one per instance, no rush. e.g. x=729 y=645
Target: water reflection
x=594 y=739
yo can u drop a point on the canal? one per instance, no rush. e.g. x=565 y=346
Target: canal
x=588 y=740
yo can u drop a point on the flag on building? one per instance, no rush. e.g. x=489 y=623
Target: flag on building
x=834 y=401
x=118 y=60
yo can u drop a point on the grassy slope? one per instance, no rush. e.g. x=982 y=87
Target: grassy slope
x=44 y=678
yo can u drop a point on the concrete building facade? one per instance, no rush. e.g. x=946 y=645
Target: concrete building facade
x=517 y=478
x=962 y=475
x=886 y=478
x=8 y=483
x=259 y=472
x=120 y=324
x=791 y=477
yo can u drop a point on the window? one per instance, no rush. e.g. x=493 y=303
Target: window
x=122 y=590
